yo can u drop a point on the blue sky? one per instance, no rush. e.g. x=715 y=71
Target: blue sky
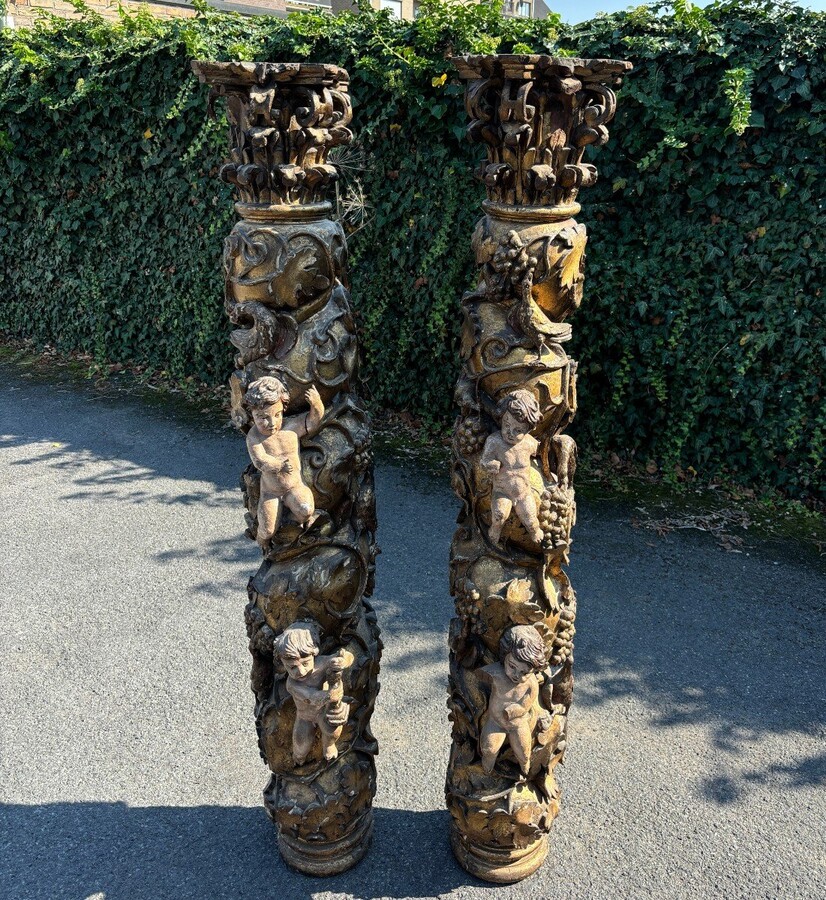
x=580 y=10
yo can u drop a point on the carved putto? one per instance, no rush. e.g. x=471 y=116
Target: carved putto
x=273 y=446
x=513 y=708
x=315 y=684
x=507 y=459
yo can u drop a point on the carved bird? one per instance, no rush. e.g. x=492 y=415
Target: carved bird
x=257 y=334
x=533 y=323
x=262 y=332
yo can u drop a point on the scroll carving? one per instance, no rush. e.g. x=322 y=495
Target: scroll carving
x=308 y=489
x=511 y=642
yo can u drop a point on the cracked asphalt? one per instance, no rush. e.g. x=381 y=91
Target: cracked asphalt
x=128 y=763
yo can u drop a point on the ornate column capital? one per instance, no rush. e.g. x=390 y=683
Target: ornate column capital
x=284 y=119
x=537 y=114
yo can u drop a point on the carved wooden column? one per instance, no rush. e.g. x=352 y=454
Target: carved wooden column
x=309 y=489
x=511 y=643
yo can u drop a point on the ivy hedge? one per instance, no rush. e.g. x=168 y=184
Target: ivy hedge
x=702 y=337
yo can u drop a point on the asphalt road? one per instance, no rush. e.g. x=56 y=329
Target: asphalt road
x=128 y=763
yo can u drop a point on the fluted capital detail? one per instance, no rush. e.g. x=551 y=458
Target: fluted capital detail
x=537 y=114
x=284 y=119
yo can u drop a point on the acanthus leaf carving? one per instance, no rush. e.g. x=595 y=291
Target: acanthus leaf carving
x=536 y=115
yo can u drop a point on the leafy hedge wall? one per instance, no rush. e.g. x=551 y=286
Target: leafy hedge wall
x=702 y=337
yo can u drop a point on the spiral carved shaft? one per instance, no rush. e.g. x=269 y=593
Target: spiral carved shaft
x=511 y=642
x=309 y=486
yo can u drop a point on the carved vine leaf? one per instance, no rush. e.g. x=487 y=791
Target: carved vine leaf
x=460 y=778
x=547 y=737
x=513 y=603
x=466 y=703
x=559 y=292
x=478 y=821
x=522 y=805
x=545 y=632
x=522 y=608
x=570 y=270
x=501 y=827
x=518 y=591
x=548 y=785
x=484 y=247
x=243 y=252
x=463 y=755
x=299 y=278
x=464 y=395
x=365 y=510
x=525 y=835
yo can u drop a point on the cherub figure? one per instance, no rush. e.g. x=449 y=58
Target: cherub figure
x=273 y=446
x=315 y=684
x=513 y=710
x=507 y=458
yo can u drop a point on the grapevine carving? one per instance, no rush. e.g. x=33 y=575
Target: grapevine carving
x=308 y=491
x=511 y=643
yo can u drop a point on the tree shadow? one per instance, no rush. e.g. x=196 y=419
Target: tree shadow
x=727 y=643
x=73 y=851
x=76 y=425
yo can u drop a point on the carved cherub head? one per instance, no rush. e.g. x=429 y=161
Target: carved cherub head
x=522 y=652
x=297 y=647
x=267 y=398
x=518 y=413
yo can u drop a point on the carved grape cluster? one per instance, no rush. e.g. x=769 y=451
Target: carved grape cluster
x=470 y=436
x=555 y=514
x=469 y=606
x=564 y=638
x=362 y=450
x=261 y=647
x=512 y=263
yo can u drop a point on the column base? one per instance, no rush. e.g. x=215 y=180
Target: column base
x=328 y=858
x=497 y=865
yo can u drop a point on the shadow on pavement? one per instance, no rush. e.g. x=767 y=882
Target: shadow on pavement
x=728 y=643
x=725 y=642
x=70 y=851
x=79 y=425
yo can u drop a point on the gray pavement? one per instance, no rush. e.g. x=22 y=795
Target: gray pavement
x=128 y=764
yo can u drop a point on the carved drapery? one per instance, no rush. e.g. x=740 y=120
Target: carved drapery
x=511 y=642
x=309 y=488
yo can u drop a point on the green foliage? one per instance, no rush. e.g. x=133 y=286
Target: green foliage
x=702 y=335
x=736 y=86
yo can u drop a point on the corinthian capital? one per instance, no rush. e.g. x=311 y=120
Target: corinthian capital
x=537 y=114
x=284 y=119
